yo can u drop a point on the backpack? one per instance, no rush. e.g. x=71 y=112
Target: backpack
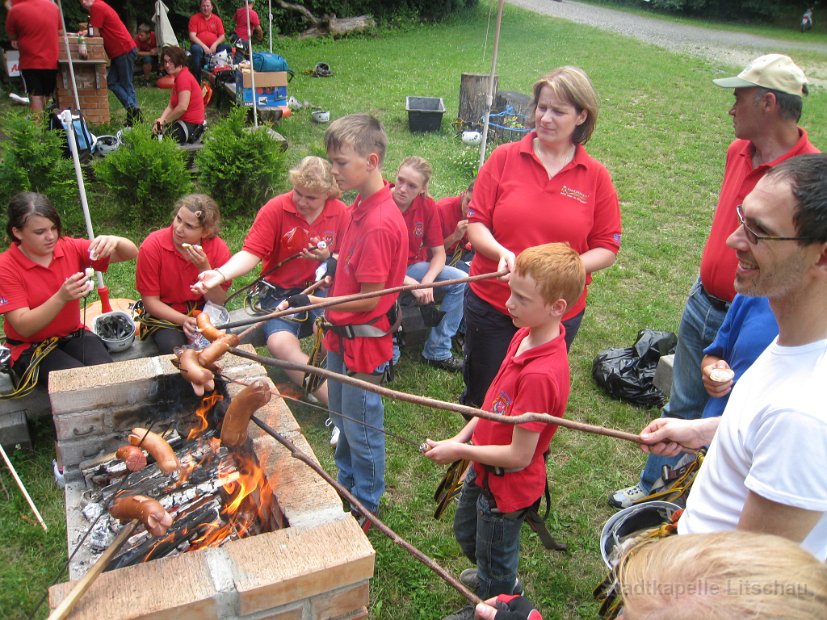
x=84 y=138
x=265 y=61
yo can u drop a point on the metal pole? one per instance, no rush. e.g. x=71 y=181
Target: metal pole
x=489 y=98
x=69 y=57
x=66 y=119
x=252 y=67
x=270 y=12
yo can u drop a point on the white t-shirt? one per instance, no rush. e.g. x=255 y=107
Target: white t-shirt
x=772 y=440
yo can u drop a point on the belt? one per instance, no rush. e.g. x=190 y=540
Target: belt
x=719 y=304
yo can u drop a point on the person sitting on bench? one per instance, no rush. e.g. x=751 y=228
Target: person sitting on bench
x=183 y=118
x=206 y=31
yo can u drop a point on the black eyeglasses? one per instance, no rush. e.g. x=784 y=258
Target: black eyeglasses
x=753 y=237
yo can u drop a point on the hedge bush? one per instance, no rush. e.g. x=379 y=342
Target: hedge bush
x=145 y=176
x=238 y=166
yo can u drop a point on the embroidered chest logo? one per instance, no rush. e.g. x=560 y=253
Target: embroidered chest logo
x=3 y=301
x=570 y=192
x=329 y=237
x=501 y=404
x=419 y=229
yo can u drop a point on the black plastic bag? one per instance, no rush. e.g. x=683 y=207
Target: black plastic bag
x=628 y=373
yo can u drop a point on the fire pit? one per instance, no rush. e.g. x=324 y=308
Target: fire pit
x=315 y=563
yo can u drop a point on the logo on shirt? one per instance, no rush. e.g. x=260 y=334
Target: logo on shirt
x=570 y=192
x=329 y=237
x=501 y=404
x=419 y=229
x=3 y=301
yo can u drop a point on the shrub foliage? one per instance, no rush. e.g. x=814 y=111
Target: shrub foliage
x=145 y=176
x=34 y=160
x=240 y=167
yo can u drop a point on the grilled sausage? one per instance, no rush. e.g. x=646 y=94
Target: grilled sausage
x=157 y=447
x=148 y=510
x=241 y=409
x=213 y=352
x=207 y=329
x=194 y=372
x=133 y=456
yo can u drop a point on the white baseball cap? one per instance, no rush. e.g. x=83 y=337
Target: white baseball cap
x=773 y=71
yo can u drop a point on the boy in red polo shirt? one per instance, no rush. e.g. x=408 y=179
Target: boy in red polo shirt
x=509 y=472
x=372 y=256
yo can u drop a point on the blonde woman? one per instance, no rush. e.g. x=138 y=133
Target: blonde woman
x=311 y=211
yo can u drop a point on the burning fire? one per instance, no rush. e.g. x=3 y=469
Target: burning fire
x=207 y=403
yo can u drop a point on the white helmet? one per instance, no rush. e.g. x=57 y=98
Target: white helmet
x=106 y=144
x=632 y=521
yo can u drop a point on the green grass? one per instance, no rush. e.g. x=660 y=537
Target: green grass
x=662 y=132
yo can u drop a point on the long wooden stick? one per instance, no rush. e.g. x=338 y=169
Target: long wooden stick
x=67 y=604
x=345 y=494
x=359 y=296
x=22 y=488
x=439 y=404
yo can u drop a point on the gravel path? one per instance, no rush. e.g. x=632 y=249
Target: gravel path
x=719 y=46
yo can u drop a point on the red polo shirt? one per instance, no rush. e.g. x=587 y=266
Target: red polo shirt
x=195 y=110
x=424 y=228
x=373 y=250
x=241 y=22
x=145 y=46
x=536 y=381
x=718 y=262
x=116 y=38
x=207 y=29
x=25 y=284
x=522 y=207
x=163 y=272
x=279 y=216
x=35 y=24
x=450 y=214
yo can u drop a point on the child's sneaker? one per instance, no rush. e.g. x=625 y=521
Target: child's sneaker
x=471 y=580
x=624 y=498
x=334 y=434
x=60 y=481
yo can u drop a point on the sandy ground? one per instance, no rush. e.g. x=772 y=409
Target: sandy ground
x=719 y=46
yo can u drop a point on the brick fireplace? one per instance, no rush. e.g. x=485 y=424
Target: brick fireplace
x=90 y=75
x=317 y=567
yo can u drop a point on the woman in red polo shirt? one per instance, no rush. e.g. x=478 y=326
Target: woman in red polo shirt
x=170 y=260
x=285 y=238
x=183 y=118
x=42 y=280
x=544 y=188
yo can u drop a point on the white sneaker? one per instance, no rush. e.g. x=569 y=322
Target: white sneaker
x=624 y=498
x=18 y=99
x=334 y=435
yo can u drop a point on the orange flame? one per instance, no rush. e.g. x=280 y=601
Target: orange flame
x=207 y=403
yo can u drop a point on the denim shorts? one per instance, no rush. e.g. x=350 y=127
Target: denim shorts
x=300 y=325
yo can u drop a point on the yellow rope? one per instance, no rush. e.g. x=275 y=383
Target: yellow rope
x=317 y=358
x=28 y=380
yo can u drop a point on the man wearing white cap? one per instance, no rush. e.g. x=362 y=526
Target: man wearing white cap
x=768 y=104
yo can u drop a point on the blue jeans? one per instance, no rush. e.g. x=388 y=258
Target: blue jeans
x=488 y=539
x=699 y=325
x=119 y=78
x=438 y=344
x=301 y=325
x=198 y=54
x=360 y=453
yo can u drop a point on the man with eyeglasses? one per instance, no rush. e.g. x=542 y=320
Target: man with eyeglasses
x=768 y=103
x=764 y=469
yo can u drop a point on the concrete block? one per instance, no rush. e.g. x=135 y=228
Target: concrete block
x=14 y=430
x=663 y=374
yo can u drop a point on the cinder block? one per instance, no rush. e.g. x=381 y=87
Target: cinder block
x=663 y=374
x=14 y=430
x=346 y=603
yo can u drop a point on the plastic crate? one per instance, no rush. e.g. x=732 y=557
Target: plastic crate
x=424 y=113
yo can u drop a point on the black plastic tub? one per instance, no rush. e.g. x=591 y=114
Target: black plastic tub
x=424 y=113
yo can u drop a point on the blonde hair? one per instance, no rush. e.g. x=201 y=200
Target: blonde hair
x=556 y=268
x=571 y=84
x=314 y=174
x=421 y=165
x=205 y=209
x=723 y=575
x=362 y=132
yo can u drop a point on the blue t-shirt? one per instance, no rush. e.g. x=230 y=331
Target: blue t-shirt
x=748 y=328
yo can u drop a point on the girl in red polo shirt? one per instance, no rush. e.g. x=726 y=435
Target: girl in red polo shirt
x=170 y=260
x=544 y=188
x=313 y=212
x=183 y=118
x=42 y=280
